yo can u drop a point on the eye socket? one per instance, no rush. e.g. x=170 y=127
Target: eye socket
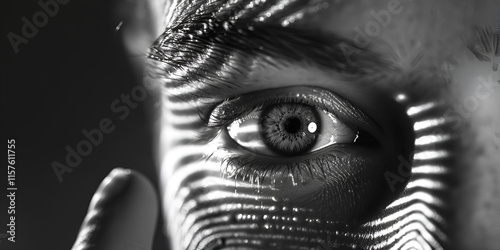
x=289 y=129
x=343 y=161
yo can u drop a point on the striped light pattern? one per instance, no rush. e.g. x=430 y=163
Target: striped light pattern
x=206 y=211
x=200 y=205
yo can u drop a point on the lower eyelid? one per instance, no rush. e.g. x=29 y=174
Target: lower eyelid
x=231 y=152
x=325 y=178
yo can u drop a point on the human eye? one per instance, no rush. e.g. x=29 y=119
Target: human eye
x=291 y=121
x=306 y=145
x=287 y=122
x=289 y=129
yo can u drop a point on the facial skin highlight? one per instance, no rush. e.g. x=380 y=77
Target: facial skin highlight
x=412 y=178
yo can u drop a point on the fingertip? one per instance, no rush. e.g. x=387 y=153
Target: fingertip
x=111 y=186
x=122 y=214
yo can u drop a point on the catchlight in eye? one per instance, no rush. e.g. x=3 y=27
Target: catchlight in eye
x=289 y=129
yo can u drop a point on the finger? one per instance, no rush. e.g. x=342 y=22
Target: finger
x=122 y=214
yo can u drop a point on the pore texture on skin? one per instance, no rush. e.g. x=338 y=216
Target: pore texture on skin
x=432 y=60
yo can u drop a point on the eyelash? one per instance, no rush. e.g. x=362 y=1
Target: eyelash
x=254 y=167
x=244 y=168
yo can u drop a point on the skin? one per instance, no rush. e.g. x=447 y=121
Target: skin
x=427 y=56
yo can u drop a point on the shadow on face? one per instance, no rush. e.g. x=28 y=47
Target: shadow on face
x=313 y=124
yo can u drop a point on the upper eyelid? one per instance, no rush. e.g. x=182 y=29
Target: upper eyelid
x=349 y=114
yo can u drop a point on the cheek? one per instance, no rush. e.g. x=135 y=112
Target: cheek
x=204 y=210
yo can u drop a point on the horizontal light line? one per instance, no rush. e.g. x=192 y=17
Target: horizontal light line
x=219 y=195
x=431 y=155
x=425 y=124
x=416 y=208
x=179 y=105
x=176 y=178
x=183 y=120
x=430 y=169
x=419 y=196
x=430 y=139
x=426 y=183
x=420 y=108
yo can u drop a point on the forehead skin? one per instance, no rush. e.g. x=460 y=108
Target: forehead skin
x=432 y=34
x=436 y=28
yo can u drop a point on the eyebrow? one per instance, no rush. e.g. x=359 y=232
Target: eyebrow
x=200 y=49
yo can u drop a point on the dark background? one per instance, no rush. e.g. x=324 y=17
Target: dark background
x=63 y=81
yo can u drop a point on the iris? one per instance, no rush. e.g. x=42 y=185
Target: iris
x=287 y=128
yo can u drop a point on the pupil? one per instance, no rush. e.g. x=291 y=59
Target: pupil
x=292 y=125
x=284 y=128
